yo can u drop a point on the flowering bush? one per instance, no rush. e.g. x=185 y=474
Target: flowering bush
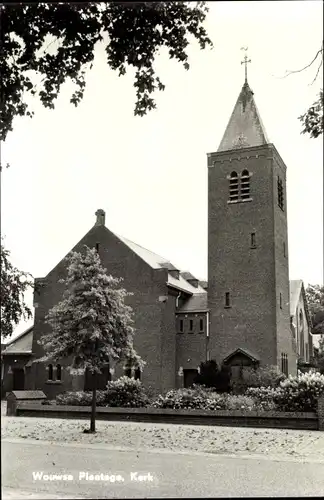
x=126 y=392
x=181 y=399
x=263 y=397
x=264 y=376
x=200 y=399
x=300 y=393
x=80 y=398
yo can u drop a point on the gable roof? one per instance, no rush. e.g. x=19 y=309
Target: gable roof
x=242 y=350
x=152 y=259
x=22 y=344
x=157 y=262
x=245 y=128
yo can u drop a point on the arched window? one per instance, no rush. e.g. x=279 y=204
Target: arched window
x=301 y=318
x=58 y=372
x=234 y=187
x=245 y=185
x=50 y=372
x=137 y=374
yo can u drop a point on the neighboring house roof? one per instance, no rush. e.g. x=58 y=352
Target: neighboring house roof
x=21 y=344
x=297 y=288
x=196 y=303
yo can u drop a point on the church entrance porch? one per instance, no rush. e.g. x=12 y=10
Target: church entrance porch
x=240 y=361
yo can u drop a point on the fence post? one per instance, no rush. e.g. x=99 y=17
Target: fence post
x=320 y=412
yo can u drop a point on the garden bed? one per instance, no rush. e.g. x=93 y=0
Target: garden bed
x=229 y=418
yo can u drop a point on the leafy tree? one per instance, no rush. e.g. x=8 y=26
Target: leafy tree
x=312 y=120
x=315 y=300
x=14 y=284
x=133 y=33
x=92 y=325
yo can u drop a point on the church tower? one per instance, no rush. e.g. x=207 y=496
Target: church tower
x=248 y=281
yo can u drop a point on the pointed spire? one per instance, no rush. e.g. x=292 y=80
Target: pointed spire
x=245 y=128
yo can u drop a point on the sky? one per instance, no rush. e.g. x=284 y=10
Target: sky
x=150 y=174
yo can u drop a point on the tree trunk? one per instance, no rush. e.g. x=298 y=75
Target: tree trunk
x=93 y=407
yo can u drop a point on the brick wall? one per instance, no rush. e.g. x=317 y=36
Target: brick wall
x=146 y=284
x=284 y=336
x=320 y=413
x=233 y=266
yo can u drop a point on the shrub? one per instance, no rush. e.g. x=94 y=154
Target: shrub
x=200 y=399
x=264 y=376
x=239 y=402
x=263 y=397
x=300 y=393
x=181 y=399
x=126 y=392
x=80 y=398
x=210 y=376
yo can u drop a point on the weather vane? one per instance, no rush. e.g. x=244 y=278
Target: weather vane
x=245 y=61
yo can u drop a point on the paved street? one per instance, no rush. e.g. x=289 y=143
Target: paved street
x=148 y=474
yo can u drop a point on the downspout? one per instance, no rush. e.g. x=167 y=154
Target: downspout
x=207 y=334
x=177 y=300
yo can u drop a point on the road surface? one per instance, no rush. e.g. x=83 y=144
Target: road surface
x=156 y=474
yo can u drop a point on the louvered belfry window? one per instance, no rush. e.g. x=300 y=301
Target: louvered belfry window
x=239 y=186
x=245 y=185
x=234 y=187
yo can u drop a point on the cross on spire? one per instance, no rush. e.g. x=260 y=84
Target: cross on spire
x=245 y=62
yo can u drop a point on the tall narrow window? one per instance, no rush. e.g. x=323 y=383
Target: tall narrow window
x=227 y=299
x=137 y=374
x=234 y=187
x=181 y=326
x=284 y=248
x=284 y=364
x=190 y=325
x=253 y=240
x=280 y=300
x=128 y=372
x=245 y=185
x=201 y=325
x=50 y=372
x=97 y=247
x=58 y=372
x=280 y=194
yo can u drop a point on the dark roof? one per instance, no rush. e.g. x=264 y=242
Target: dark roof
x=196 y=303
x=187 y=275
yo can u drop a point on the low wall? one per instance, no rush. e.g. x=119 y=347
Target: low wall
x=269 y=419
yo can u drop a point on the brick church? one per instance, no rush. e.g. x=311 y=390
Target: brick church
x=242 y=316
